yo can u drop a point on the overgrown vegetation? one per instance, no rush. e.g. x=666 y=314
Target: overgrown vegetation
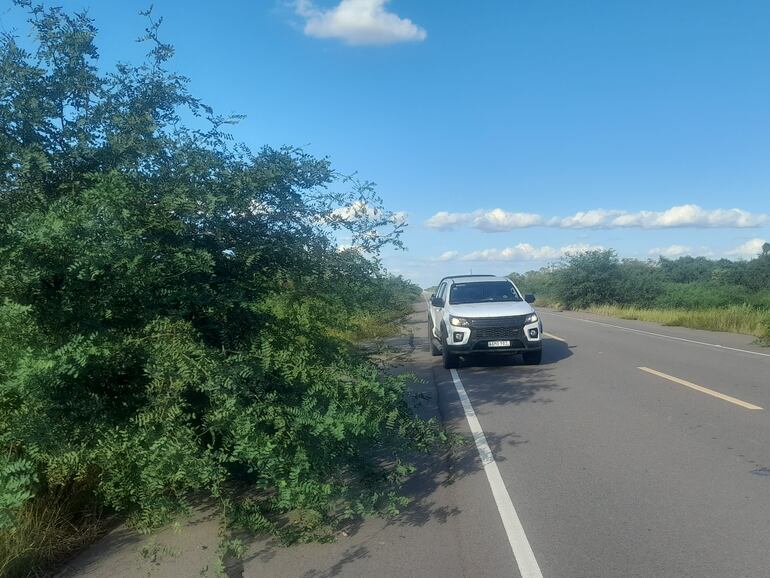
x=719 y=295
x=176 y=319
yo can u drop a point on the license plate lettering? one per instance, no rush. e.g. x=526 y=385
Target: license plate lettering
x=499 y=344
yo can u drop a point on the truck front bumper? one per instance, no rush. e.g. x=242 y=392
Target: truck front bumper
x=483 y=333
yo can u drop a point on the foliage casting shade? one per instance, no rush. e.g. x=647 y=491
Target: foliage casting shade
x=174 y=307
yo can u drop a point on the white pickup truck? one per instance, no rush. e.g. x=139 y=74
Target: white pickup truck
x=486 y=314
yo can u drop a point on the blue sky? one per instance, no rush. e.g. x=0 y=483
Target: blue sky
x=633 y=125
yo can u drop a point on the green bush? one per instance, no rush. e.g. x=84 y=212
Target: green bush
x=639 y=282
x=696 y=292
x=174 y=301
x=588 y=278
x=699 y=295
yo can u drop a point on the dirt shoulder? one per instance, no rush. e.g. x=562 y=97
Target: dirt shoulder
x=368 y=547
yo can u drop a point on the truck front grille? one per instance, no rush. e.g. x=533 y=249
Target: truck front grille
x=516 y=321
x=494 y=333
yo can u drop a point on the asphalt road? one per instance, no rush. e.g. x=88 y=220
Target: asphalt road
x=592 y=467
x=619 y=471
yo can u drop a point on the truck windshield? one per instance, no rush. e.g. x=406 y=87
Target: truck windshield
x=483 y=292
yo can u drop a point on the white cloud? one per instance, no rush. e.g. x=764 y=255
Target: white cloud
x=498 y=220
x=690 y=216
x=447 y=256
x=525 y=252
x=353 y=211
x=672 y=251
x=399 y=217
x=362 y=210
x=444 y=221
x=580 y=248
x=748 y=250
x=594 y=218
x=358 y=22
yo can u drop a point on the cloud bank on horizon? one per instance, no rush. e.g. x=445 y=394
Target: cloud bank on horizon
x=524 y=252
x=358 y=22
x=747 y=250
x=499 y=220
x=528 y=252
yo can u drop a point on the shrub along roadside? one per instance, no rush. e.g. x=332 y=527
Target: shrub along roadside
x=737 y=319
x=55 y=523
x=718 y=295
x=176 y=318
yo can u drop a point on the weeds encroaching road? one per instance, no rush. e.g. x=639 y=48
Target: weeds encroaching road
x=177 y=319
x=717 y=295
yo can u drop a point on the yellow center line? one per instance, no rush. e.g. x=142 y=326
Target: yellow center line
x=702 y=389
x=552 y=336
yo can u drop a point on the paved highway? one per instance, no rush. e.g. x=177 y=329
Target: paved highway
x=633 y=450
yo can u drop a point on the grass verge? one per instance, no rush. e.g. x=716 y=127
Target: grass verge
x=737 y=319
x=48 y=530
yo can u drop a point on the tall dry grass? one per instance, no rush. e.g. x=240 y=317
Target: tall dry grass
x=50 y=528
x=736 y=319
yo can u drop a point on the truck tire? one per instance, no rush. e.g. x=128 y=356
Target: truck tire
x=533 y=357
x=451 y=361
x=434 y=351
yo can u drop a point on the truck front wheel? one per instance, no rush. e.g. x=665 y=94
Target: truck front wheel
x=533 y=357
x=434 y=351
x=451 y=361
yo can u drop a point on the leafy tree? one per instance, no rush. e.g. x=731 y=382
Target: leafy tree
x=588 y=278
x=538 y=282
x=638 y=282
x=170 y=299
x=687 y=269
x=685 y=283
x=757 y=273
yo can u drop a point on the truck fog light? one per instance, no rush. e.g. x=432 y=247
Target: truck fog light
x=458 y=336
x=533 y=333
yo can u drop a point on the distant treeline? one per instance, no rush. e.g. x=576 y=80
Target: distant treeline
x=600 y=278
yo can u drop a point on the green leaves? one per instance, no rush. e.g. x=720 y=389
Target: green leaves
x=177 y=319
x=17 y=481
x=694 y=283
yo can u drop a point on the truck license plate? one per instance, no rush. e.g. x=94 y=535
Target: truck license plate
x=499 y=344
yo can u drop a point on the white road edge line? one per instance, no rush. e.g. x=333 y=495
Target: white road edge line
x=716 y=345
x=522 y=551
x=552 y=336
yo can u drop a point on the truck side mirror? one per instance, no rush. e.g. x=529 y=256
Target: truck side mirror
x=529 y=298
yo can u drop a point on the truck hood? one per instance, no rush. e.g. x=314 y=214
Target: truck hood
x=500 y=309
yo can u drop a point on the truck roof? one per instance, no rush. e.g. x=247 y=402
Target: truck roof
x=471 y=278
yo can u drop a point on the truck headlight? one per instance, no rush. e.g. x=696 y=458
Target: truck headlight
x=459 y=321
x=532 y=318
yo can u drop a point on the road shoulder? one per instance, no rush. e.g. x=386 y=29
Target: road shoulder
x=435 y=535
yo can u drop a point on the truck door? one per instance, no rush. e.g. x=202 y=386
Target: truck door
x=436 y=312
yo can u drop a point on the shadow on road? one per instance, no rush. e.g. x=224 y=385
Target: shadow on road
x=553 y=352
x=488 y=380
x=352 y=554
